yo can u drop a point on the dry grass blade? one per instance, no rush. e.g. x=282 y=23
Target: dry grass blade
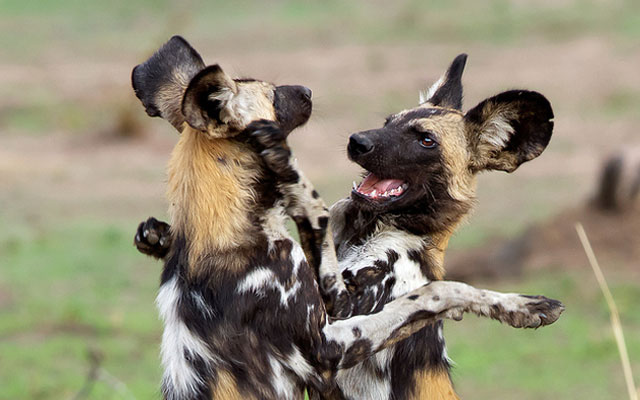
x=615 y=316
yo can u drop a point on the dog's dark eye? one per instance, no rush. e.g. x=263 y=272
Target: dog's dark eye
x=427 y=142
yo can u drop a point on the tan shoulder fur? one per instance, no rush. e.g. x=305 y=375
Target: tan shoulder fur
x=210 y=192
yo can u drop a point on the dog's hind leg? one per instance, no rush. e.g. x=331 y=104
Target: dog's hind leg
x=361 y=336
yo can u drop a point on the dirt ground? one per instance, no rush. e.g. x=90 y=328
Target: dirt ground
x=553 y=244
x=355 y=87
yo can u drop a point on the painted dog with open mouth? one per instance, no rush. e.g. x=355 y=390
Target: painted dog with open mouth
x=243 y=314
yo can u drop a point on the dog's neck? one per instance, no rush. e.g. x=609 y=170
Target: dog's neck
x=210 y=189
x=431 y=237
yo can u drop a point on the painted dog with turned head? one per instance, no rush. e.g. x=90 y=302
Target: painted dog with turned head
x=420 y=182
x=243 y=315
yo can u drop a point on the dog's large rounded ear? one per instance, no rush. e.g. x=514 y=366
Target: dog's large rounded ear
x=447 y=91
x=206 y=97
x=160 y=82
x=508 y=129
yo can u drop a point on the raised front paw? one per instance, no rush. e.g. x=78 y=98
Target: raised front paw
x=529 y=311
x=270 y=142
x=153 y=238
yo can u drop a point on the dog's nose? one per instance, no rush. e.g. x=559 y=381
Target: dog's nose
x=306 y=92
x=359 y=144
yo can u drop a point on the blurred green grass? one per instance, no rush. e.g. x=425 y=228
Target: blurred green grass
x=576 y=358
x=501 y=21
x=68 y=288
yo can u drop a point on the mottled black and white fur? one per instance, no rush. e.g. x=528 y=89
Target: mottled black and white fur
x=248 y=320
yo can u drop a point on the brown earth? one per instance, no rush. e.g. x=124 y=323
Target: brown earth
x=554 y=244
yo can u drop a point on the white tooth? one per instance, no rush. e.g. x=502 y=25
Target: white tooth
x=354 y=185
x=393 y=191
x=374 y=193
x=385 y=194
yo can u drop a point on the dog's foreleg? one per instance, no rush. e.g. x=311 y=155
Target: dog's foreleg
x=361 y=336
x=305 y=206
x=311 y=215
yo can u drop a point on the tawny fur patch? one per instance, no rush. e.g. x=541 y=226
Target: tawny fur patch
x=434 y=385
x=440 y=241
x=450 y=134
x=227 y=388
x=209 y=192
x=169 y=97
x=493 y=134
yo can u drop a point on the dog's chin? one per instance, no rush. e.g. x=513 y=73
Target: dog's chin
x=379 y=194
x=291 y=123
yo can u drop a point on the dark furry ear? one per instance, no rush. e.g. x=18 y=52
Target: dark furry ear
x=447 y=91
x=207 y=95
x=160 y=82
x=508 y=129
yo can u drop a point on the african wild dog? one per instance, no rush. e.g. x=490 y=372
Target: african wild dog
x=243 y=315
x=420 y=182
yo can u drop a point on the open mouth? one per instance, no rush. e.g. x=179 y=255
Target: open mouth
x=374 y=188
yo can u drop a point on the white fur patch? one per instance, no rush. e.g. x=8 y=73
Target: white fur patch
x=425 y=96
x=359 y=382
x=497 y=132
x=282 y=378
x=408 y=276
x=297 y=257
x=310 y=310
x=200 y=303
x=261 y=279
x=406 y=272
x=177 y=340
x=256 y=281
x=281 y=383
x=246 y=106
x=299 y=364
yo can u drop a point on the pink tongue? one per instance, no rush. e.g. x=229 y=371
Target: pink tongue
x=372 y=182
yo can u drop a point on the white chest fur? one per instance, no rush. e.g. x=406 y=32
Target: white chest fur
x=407 y=272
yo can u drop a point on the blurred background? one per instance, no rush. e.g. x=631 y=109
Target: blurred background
x=81 y=164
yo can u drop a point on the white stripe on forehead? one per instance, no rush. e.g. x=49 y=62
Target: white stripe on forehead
x=426 y=109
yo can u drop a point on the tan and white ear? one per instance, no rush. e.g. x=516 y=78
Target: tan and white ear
x=447 y=91
x=508 y=129
x=161 y=81
x=206 y=97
